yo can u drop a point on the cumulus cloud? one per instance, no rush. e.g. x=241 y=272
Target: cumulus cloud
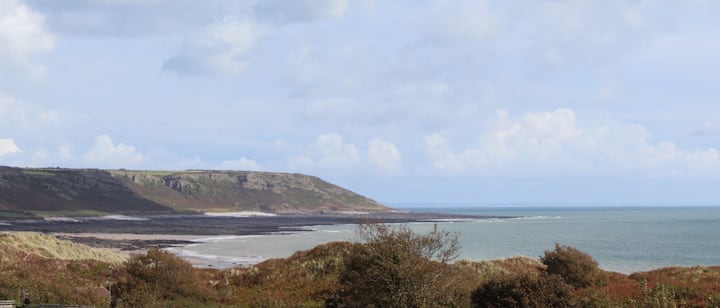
x=241 y=164
x=557 y=143
x=106 y=154
x=332 y=153
x=329 y=151
x=22 y=33
x=334 y=150
x=8 y=146
x=217 y=49
x=385 y=155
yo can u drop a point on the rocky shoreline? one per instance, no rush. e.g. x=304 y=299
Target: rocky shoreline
x=124 y=244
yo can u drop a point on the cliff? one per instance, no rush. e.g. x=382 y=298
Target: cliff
x=33 y=191
x=87 y=191
x=207 y=190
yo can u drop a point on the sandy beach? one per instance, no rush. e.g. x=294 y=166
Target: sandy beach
x=130 y=243
x=167 y=232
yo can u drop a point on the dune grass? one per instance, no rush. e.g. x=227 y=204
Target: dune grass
x=50 y=247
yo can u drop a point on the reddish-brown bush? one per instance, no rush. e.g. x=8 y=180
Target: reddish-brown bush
x=524 y=290
x=577 y=268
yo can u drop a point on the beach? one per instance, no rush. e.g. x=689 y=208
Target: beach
x=622 y=239
x=129 y=234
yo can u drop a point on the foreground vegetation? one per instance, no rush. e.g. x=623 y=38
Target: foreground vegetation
x=393 y=267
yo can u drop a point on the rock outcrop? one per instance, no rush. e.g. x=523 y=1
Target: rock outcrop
x=210 y=190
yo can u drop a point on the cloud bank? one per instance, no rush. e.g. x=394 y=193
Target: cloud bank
x=558 y=143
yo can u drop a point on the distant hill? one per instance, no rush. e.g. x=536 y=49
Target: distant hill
x=29 y=191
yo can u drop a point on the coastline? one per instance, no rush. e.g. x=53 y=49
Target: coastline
x=177 y=232
x=217 y=225
x=624 y=240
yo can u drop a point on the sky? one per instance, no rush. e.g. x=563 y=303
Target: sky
x=434 y=102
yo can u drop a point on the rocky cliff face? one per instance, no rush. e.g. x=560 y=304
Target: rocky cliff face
x=244 y=191
x=40 y=190
x=25 y=190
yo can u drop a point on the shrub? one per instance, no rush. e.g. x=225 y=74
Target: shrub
x=525 y=290
x=158 y=276
x=577 y=268
x=398 y=268
x=306 y=278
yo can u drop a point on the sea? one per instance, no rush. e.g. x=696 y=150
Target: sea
x=623 y=239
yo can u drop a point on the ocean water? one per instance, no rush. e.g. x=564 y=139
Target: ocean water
x=622 y=239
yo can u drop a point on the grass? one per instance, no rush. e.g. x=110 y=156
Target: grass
x=53 y=248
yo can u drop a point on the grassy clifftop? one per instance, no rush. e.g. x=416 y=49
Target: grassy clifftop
x=27 y=192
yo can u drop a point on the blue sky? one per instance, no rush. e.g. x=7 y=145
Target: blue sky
x=403 y=101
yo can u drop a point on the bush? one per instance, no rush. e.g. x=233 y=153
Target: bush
x=577 y=268
x=525 y=290
x=304 y=279
x=159 y=276
x=398 y=268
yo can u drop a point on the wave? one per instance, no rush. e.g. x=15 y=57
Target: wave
x=215 y=260
x=216 y=239
x=451 y=220
x=63 y=219
x=120 y=217
x=239 y=214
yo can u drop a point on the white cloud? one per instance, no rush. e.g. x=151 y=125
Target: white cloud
x=329 y=151
x=384 y=155
x=241 y=164
x=335 y=151
x=106 y=154
x=557 y=143
x=8 y=146
x=22 y=33
x=218 y=49
x=16 y=114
